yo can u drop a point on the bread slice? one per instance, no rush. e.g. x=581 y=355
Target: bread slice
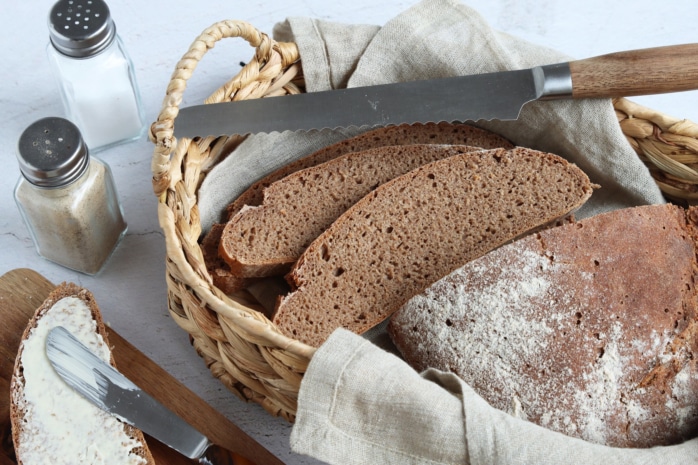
x=405 y=134
x=429 y=133
x=266 y=240
x=51 y=423
x=417 y=228
x=588 y=329
x=221 y=274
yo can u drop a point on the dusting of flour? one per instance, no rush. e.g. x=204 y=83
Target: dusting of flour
x=586 y=329
x=485 y=323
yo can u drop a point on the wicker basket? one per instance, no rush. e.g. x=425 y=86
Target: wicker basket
x=239 y=344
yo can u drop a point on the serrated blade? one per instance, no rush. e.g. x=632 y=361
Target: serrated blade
x=455 y=99
x=472 y=98
x=111 y=391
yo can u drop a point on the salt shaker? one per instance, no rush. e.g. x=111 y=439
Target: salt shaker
x=94 y=72
x=67 y=197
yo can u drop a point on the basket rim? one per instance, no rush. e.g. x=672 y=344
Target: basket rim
x=249 y=319
x=173 y=174
x=271 y=58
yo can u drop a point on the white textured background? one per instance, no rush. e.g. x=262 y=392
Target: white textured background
x=131 y=290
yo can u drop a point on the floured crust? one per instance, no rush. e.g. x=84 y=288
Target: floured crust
x=588 y=329
x=17 y=382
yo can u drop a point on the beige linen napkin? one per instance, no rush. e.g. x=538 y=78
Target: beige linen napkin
x=357 y=403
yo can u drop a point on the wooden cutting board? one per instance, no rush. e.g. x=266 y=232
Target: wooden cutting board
x=23 y=290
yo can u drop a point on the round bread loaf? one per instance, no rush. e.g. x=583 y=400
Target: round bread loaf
x=588 y=329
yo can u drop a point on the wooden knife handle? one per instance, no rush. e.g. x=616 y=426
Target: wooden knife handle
x=637 y=72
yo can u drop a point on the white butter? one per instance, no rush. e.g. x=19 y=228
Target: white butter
x=64 y=428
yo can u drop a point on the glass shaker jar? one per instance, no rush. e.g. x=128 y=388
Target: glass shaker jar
x=66 y=197
x=95 y=75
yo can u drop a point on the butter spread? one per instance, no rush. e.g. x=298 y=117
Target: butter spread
x=61 y=427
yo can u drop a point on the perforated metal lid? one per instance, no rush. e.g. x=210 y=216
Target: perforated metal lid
x=51 y=153
x=81 y=28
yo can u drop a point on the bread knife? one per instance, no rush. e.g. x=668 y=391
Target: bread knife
x=490 y=96
x=111 y=391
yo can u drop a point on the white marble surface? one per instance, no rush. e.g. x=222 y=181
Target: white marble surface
x=131 y=290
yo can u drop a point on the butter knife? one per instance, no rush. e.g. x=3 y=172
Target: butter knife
x=111 y=391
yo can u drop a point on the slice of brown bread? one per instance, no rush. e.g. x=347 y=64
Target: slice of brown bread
x=429 y=133
x=417 y=228
x=268 y=239
x=218 y=268
x=50 y=421
x=588 y=329
x=405 y=134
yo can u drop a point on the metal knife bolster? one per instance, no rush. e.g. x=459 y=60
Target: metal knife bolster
x=553 y=81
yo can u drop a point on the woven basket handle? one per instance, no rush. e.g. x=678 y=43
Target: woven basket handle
x=637 y=72
x=270 y=58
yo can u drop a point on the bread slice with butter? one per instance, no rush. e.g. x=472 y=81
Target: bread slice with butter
x=51 y=423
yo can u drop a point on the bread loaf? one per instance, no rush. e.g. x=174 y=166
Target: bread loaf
x=587 y=329
x=415 y=229
x=266 y=240
x=51 y=423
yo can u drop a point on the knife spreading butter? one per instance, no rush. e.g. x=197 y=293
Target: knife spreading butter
x=65 y=427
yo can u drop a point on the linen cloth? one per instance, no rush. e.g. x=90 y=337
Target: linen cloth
x=359 y=403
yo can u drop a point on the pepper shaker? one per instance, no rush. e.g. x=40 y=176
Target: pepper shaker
x=95 y=74
x=67 y=198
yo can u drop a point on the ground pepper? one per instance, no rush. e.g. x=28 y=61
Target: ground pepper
x=67 y=198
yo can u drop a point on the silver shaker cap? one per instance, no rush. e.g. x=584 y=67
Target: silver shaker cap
x=81 y=28
x=52 y=153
